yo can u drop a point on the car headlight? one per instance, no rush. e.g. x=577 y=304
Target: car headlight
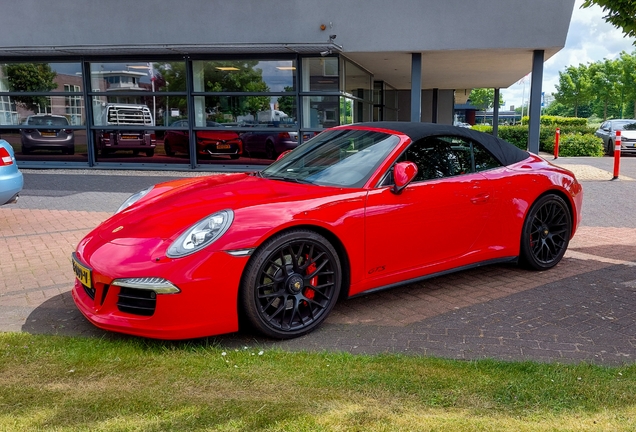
x=201 y=234
x=133 y=199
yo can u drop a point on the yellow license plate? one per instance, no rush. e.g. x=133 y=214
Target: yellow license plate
x=82 y=273
x=222 y=146
x=129 y=137
x=48 y=134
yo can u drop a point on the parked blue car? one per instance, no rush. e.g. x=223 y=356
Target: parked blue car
x=11 y=180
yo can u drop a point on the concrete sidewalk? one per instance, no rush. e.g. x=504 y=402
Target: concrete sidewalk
x=582 y=310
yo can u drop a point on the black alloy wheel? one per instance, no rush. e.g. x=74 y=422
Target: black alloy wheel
x=546 y=233
x=291 y=284
x=270 y=151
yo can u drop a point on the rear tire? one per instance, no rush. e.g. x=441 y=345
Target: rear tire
x=546 y=233
x=270 y=151
x=150 y=153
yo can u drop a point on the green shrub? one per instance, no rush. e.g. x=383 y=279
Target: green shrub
x=517 y=135
x=558 y=121
x=574 y=144
x=547 y=135
x=483 y=128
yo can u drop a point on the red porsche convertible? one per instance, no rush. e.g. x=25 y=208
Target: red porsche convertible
x=357 y=208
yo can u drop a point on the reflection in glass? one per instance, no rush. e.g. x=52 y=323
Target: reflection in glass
x=345 y=158
x=321 y=111
x=209 y=143
x=44 y=142
x=245 y=76
x=358 y=82
x=138 y=76
x=246 y=111
x=47 y=79
x=320 y=74
x=144 y=110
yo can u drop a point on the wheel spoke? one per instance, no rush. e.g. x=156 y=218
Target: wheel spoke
x=284 y=305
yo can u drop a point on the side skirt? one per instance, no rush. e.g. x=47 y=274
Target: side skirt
x=505 y=260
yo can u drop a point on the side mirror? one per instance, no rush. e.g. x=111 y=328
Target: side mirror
x=403 y=174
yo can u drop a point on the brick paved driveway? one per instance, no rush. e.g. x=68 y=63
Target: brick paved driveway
x=582 y=310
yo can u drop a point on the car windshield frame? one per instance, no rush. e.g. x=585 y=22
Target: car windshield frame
x=338 y=157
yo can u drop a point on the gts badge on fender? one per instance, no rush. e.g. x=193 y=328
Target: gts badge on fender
x=376 y=269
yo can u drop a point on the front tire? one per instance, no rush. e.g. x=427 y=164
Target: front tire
x=546 y=233
x=168 y=149
x=291 y=284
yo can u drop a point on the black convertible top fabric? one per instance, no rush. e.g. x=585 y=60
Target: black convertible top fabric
x=505 y=152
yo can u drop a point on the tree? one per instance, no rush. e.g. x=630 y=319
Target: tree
x=628 y=83
x=620 y=13
x=574 y=87
x=287 y=104
x=484 y=98
x=221 y=76
x=31 y=77
x=605 y=84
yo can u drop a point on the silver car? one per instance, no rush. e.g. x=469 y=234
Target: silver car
x=49 y=132
x=11 y=180
x=607 y=131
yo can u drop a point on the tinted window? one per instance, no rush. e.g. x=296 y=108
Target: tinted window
x=447 y=156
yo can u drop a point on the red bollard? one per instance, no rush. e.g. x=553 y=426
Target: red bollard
x=557 y=135
x=617 y=154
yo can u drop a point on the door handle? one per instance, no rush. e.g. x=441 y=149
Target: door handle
x=481 y=198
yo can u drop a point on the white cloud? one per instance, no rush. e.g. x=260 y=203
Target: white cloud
x=589 y=39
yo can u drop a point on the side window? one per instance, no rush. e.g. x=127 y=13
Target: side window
x=439 y=157
x=484 y=160
x=445 y=156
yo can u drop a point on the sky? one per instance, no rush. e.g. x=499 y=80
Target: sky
x=589 y=39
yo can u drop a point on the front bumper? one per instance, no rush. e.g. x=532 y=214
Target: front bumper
x=205 y=305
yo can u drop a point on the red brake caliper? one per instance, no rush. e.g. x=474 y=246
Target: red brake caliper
x=310 y=293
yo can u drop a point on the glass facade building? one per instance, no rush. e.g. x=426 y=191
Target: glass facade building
x=225 y=112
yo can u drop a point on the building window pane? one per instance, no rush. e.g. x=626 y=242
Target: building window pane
x=320 y=74
x=239 y=111
x=358 y=82
x=158 y=76
x=245 y=76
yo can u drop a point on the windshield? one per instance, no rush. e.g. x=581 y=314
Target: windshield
x=628 y=125
x=342 y=157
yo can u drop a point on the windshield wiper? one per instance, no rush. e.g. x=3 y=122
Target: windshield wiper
x=287 y=179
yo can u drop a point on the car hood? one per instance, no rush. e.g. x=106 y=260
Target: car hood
x=259 y=205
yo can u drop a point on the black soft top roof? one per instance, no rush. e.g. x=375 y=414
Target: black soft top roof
x=505 y=152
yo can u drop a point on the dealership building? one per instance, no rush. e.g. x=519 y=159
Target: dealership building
x=212 y=85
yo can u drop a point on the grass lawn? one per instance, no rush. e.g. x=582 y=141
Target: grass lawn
x=68 y=384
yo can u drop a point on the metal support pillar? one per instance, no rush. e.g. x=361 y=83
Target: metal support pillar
x=495 y=114
x=416 y=87
x=535 y=101
x=434 y=107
